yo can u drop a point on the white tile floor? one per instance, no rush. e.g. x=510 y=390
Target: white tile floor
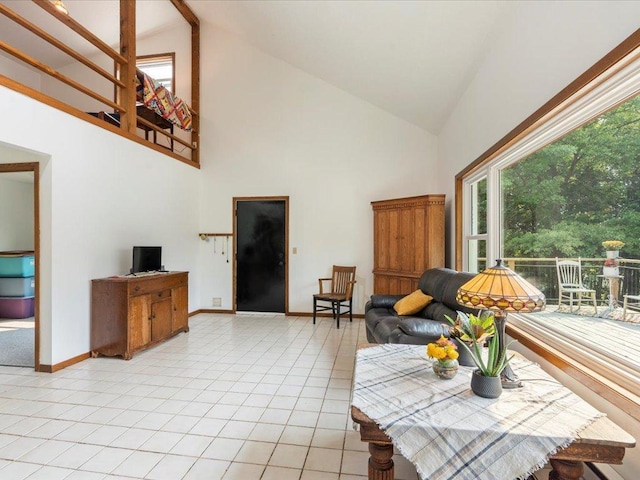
x=238 y=397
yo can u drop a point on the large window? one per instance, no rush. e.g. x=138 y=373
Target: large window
x=570 y=182
x=476 y=237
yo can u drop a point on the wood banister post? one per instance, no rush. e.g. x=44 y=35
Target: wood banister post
x=127 y=98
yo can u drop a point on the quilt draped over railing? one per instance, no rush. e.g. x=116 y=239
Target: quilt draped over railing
x=157 y=98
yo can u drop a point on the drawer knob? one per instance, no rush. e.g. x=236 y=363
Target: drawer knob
x=136 y=288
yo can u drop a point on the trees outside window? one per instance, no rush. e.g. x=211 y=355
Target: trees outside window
x=558 y=185
x=568 y=197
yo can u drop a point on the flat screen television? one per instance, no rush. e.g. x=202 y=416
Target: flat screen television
x=146 y=259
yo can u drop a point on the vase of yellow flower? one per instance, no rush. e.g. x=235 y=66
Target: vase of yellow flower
x=612 y=247
x=610 y=268
x=445 y=355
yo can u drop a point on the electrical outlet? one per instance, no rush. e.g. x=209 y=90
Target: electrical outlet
x=217 y=302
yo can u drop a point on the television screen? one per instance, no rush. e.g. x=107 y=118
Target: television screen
x=146 y=259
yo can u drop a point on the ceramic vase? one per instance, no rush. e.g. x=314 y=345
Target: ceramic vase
x=487 y=387
x=610 y=271
x=612 y=253
x=445 y=370
x=464 y=359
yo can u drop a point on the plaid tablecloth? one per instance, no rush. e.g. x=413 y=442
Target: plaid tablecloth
x=450 y=433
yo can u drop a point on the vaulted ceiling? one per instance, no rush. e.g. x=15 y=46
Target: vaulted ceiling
x=413 y=59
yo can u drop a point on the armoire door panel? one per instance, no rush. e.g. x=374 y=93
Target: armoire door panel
x=408 y=239
x=381 y=241
x=420 y=241
x=394 y=240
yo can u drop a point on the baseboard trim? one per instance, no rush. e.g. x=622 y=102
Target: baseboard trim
x=328 y=315
x=65 y=364
x=210 y=310
x=288 y=314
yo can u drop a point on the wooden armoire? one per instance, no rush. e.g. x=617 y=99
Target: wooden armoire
x=408 y=238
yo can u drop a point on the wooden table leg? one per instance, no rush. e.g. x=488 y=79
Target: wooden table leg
x=565 y=470
x=381 y=461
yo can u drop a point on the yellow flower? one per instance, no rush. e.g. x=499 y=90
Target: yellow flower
x=439 y=353
x=451 y=352
x=443 y=349
x=613 y=244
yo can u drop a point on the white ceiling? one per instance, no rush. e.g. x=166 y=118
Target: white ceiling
x=411 y=58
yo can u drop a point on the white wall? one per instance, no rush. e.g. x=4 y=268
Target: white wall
x=271 y=129
x=100 y=194
x=541 y=48
x=16 y=214
x=16 y=71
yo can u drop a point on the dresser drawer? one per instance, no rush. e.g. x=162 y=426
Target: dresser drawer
x=156 y=283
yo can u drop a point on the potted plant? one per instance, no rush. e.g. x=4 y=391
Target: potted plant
x=445 y=353
x=470 y=329
x=612 y=247
x=485 y=380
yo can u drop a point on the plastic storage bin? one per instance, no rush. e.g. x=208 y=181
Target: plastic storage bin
x=17 y=287
x=17 y=266
x=11 y=307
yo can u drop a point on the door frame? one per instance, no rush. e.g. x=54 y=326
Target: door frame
x=35 y=168
x=284 y=199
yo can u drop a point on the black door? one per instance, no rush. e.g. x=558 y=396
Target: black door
x=260 y=249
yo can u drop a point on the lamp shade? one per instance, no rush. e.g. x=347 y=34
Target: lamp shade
x=500 y=288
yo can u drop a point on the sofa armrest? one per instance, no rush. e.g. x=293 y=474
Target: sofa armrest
x=384 y=301
x=422 y=327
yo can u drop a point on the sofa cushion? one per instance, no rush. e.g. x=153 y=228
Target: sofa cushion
x=434 y=281
x=412 y=303
x=422 y=327
x=380 y=323
x=382 y=301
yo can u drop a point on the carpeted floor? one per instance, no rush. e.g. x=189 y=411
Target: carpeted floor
x=17 y=342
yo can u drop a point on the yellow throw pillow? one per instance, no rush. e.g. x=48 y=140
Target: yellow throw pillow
x=412 y=303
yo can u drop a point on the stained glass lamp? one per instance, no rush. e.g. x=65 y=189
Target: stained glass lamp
x=501 y=290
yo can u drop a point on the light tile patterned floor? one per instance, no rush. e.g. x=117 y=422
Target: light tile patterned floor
x=238 y=397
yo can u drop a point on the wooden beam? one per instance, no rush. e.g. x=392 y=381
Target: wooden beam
x=57 y=43
x=80 y=30
x=127 y=98
x=195 y=92
x=57 y=75
x=186 y=12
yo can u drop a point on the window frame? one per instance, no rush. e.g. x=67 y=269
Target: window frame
x=610 y=82
x=155 y=57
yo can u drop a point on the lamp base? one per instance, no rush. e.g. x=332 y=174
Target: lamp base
x=510 y=379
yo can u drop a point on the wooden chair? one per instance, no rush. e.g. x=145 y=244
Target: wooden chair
x=630 y=301
x=339 y=295
x=570 y=283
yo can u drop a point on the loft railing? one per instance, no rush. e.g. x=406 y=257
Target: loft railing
x=123 y=80
x=542 y=273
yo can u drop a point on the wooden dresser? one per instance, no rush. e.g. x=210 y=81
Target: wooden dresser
x=408 y=238
x=129 y=314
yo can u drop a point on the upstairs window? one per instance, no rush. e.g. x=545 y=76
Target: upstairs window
x=160 y=67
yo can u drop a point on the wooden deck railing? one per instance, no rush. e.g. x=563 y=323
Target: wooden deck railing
x=542 y=273
x=123 y=80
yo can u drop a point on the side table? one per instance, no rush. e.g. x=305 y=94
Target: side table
x=602 y=442
x=613 y=289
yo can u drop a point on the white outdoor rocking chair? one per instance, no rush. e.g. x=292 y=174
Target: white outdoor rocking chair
x=570 y=284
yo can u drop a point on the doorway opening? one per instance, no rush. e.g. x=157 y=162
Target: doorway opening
x=19 y=244
x=261 y=265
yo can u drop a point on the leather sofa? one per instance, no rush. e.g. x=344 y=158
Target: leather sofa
x=384 y=325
